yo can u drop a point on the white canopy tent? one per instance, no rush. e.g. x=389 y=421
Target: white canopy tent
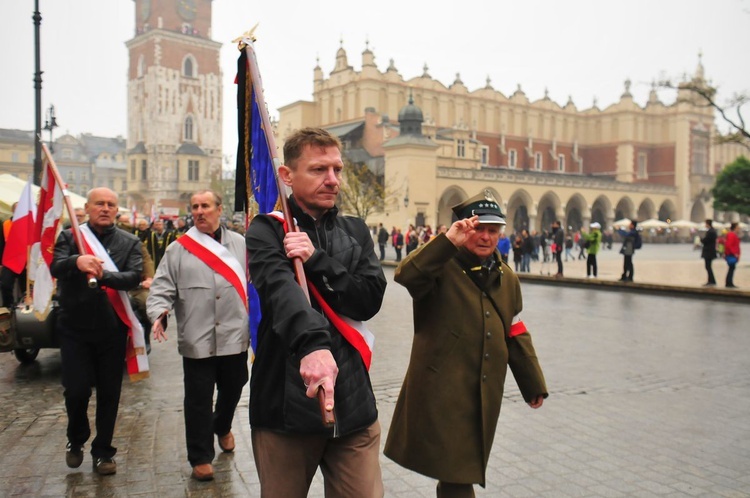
x=10 y=192
x=653 y=223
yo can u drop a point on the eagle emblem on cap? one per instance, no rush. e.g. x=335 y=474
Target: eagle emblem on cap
x=488 y=195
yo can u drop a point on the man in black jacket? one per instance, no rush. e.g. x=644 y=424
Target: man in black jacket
x=298 y=349
x=382 y=240
x=558 y=235
x=709 y=252
x=92 y=336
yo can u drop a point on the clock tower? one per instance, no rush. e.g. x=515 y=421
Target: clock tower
x=174 y=104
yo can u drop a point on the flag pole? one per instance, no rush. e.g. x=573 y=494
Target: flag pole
x=92 y=283
x=246 y=44
x=252 y=62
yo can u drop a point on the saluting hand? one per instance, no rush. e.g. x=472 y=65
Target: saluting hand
x=461 y=230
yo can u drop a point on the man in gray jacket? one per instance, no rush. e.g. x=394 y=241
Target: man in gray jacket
x=202 y=276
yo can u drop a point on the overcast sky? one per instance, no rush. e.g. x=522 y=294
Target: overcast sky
x=581 y=48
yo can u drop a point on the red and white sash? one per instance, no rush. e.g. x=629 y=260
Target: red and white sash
x=135 y=354
x=218 y=258
x=355 y=332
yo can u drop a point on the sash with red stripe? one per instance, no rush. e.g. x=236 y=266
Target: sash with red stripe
x=355 y=332
x=135 y=352
x=218 y=258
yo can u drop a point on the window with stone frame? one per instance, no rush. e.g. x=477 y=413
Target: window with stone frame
x=144 y=169
x=460 y=148
x=512 y=158
x=642 y=172
x=193 y=170
x=538 y=161
x=485 y=155
x=188 y=131
x=561 y=163
x=699 y=149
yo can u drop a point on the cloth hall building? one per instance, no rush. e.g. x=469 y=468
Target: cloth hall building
x=542 y=161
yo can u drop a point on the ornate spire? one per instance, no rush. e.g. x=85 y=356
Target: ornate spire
x=488 y=86
x=425 y=74
x=391 y=66
x=627 y=93
x=458 y=79
x=653 y=98
x=546 y=93
x=700 y=73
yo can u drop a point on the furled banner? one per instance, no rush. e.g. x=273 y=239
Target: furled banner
x=254 y=169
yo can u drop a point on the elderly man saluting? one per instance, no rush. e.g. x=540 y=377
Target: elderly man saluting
x=467 y=303
x=202 y=276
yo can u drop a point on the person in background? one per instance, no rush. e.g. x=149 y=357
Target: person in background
x=558 y=238
x=592 y=242
x=382 y=240
x=732 y=253
x=518 y=253
x=447 y=411
x=158 y=240
x=398 y=244
x=631 y=240
x=708 y=252
x=503 y=246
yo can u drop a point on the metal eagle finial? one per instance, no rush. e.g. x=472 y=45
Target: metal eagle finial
x=247 y=35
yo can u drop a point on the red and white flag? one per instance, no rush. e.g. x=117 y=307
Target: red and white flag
x=47 y=221
x=21 y=234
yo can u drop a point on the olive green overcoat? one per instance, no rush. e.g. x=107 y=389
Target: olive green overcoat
x=445 y=418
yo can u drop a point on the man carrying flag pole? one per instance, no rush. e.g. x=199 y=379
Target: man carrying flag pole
x=95 y=324
x=302 y=347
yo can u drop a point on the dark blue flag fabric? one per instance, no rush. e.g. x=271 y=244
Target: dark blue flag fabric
x=253 y=161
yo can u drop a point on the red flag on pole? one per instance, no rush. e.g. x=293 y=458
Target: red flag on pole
x=47 y=220
x=21 y=232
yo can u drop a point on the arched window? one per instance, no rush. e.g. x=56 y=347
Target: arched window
x=189 y=67
x=141 y=66
x=188 y=135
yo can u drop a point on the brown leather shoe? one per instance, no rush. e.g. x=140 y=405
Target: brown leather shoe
x=226 y=442
x=203 y=472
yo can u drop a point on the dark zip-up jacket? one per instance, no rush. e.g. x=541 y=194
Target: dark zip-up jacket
x=346 y=271
x=89 y=310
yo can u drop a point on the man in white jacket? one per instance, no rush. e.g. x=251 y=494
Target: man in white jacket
x=202 y=276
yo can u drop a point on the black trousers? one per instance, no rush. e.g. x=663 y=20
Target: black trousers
x=591 y=264
x=382 y=251
x=709 y=270
x=559 y=262
x=8 y=283
x=229 y=375
x=627 y=267
x=730 y=275
x=92 y=360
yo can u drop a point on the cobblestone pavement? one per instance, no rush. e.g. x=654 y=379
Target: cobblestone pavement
x=649 y=396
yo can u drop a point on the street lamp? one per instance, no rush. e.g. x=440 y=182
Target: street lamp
x=50 y=124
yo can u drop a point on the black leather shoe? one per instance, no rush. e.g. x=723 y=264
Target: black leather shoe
x=105 y=466
x=74 y=455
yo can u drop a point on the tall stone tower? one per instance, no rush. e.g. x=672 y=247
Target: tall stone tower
x=174 y=104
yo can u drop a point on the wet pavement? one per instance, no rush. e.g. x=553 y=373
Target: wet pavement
x=649 y=396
